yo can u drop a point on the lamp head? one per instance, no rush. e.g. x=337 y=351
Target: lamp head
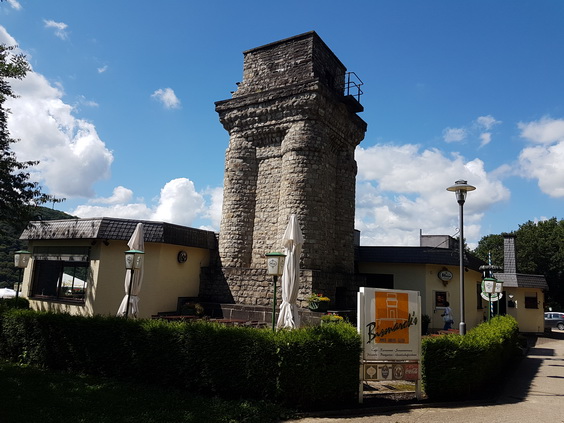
x=21 y=258
x=460 y=188
x=275 y=263
x=133 y=259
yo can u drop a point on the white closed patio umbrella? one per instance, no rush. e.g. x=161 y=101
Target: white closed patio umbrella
x=136 y=242
x=7 y=293
x=292 y=241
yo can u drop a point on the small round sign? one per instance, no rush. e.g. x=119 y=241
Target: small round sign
x=445 y=275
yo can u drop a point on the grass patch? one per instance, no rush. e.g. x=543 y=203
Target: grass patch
x=31 y=394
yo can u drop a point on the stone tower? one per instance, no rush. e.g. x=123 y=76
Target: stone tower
x=293 y=132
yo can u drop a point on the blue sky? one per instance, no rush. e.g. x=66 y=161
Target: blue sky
x=120 y=106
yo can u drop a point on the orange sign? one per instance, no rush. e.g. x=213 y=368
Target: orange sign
x=389 y=324
x=392 y=318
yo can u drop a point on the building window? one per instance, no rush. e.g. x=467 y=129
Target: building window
x=531 y=300
x=60 y=275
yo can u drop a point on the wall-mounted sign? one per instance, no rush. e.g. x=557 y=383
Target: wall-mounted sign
x=445 y=275
x=182 y=256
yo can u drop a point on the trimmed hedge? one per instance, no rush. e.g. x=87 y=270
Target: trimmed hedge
x=303 y=368
x=459 y=367
x=6 y=303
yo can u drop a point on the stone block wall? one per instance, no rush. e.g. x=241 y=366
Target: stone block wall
x=291 y=151
x=291 y=61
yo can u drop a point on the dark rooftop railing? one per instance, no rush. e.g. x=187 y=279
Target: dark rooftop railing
x=352 y=85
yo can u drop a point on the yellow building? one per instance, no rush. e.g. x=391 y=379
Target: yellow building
x=78 y=265
x=433 y=270
x=524 y=294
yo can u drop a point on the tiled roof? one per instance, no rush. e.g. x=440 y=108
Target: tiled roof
x=106 y=228
x=520 y=280
x=418 y=255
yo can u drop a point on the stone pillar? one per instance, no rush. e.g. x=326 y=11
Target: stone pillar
x=241 y=170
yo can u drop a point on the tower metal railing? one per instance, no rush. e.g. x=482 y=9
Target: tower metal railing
x=352 y=85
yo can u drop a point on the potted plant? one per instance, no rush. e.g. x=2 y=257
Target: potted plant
x=318 y=302
x=192 y=309
x=331 y=318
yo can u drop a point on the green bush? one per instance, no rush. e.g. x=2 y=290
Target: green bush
x=6 y=303
x=308 y=367
x=319 y=365
x=458 y=367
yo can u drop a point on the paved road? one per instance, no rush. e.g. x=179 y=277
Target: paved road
x=533 y=394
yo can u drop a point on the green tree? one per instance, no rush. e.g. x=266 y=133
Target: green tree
x=540 y=251
x=10 y=242
x=18 y=195
x=490 y=245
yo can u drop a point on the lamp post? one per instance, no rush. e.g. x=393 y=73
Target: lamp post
x=499 y=291
x=275 y=266
x=460 y=189
x=490 y=285
x=21 y=260
x=133 y=260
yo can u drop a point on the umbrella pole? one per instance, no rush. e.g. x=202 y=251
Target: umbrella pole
x=129 y=293
x=274 y=305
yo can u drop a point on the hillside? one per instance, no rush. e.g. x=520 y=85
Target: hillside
x=9 y=242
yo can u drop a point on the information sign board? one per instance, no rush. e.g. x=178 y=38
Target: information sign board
x=389 y=323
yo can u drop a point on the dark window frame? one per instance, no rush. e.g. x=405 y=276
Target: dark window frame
x=530 y=301
x=47 y=281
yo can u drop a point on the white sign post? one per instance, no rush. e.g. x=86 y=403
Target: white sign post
x=389 y=324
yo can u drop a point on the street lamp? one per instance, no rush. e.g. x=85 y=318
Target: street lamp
x=133 y=260
x=21 y=260
x=460 y=189
x=275 y=266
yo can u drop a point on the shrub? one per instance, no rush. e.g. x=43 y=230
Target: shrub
x=6 y=303
x=304 y=368
x=457 y=367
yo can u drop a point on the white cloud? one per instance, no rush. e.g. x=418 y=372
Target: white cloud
x=486 y=138
x=121 y=195
x=480 y=128
x=484 y=125
x=487 y=122
x=103 y=69
x=179 y=202
x=137 y=211
x=544 y=162
x=60 y=28
x=543 y=131
x=401 y=189
x=84 y=102
x=15 y=4
x=6 y=38
x=454 y=134
x=167 y=97
x=71 y=154
x=213 y=210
